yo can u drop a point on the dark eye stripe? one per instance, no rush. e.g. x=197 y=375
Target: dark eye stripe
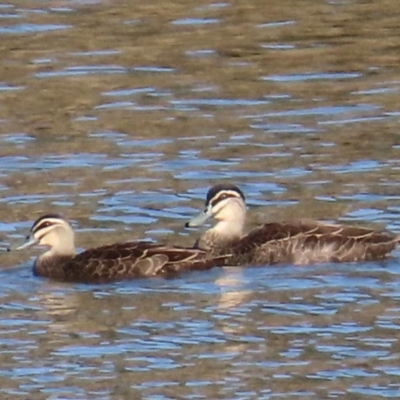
x=45 y=217
x=221 y=188
x=221 y=197
x=43 y=225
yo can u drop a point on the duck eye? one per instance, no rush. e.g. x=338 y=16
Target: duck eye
x=45 y=224
x=223 y=196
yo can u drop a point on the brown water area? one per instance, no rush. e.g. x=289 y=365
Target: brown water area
x=120 y=115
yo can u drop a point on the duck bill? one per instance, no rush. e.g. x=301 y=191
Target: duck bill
x=26 y=245
x=199 y=219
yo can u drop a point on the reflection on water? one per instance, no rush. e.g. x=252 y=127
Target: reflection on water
x=121 y=116
x=230 y=330
x=311 y=76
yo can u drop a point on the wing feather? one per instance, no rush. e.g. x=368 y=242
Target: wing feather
x=130 y=260
x=305 y=242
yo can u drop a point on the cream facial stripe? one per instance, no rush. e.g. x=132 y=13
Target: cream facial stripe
x=224 y=194
x=46 y=223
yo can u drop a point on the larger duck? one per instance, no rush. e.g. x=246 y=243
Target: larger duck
x=115 y=262
x=292 y=242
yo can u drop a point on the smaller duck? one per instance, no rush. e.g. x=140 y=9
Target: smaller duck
x=292 y=242
x=115 y=262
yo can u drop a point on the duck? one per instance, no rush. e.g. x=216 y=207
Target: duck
x=109 y=263
x=301 y=242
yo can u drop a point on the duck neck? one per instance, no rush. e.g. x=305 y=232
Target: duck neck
x=223 y=235
x=228 y=230
x=51 y=265
x=51 y=262
x=230 y=221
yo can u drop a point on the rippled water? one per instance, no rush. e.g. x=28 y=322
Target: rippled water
x=120 y=115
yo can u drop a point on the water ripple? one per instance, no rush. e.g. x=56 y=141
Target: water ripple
x=31 y=28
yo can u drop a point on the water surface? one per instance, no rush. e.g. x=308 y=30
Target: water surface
x=120 y=115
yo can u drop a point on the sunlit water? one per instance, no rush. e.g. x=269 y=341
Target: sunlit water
x=120 y=115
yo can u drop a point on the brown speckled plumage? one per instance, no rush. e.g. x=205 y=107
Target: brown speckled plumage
x=303 y=242
x=291 y=242
x=109 y=263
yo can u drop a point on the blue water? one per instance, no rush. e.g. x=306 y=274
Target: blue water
x=121 y=117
